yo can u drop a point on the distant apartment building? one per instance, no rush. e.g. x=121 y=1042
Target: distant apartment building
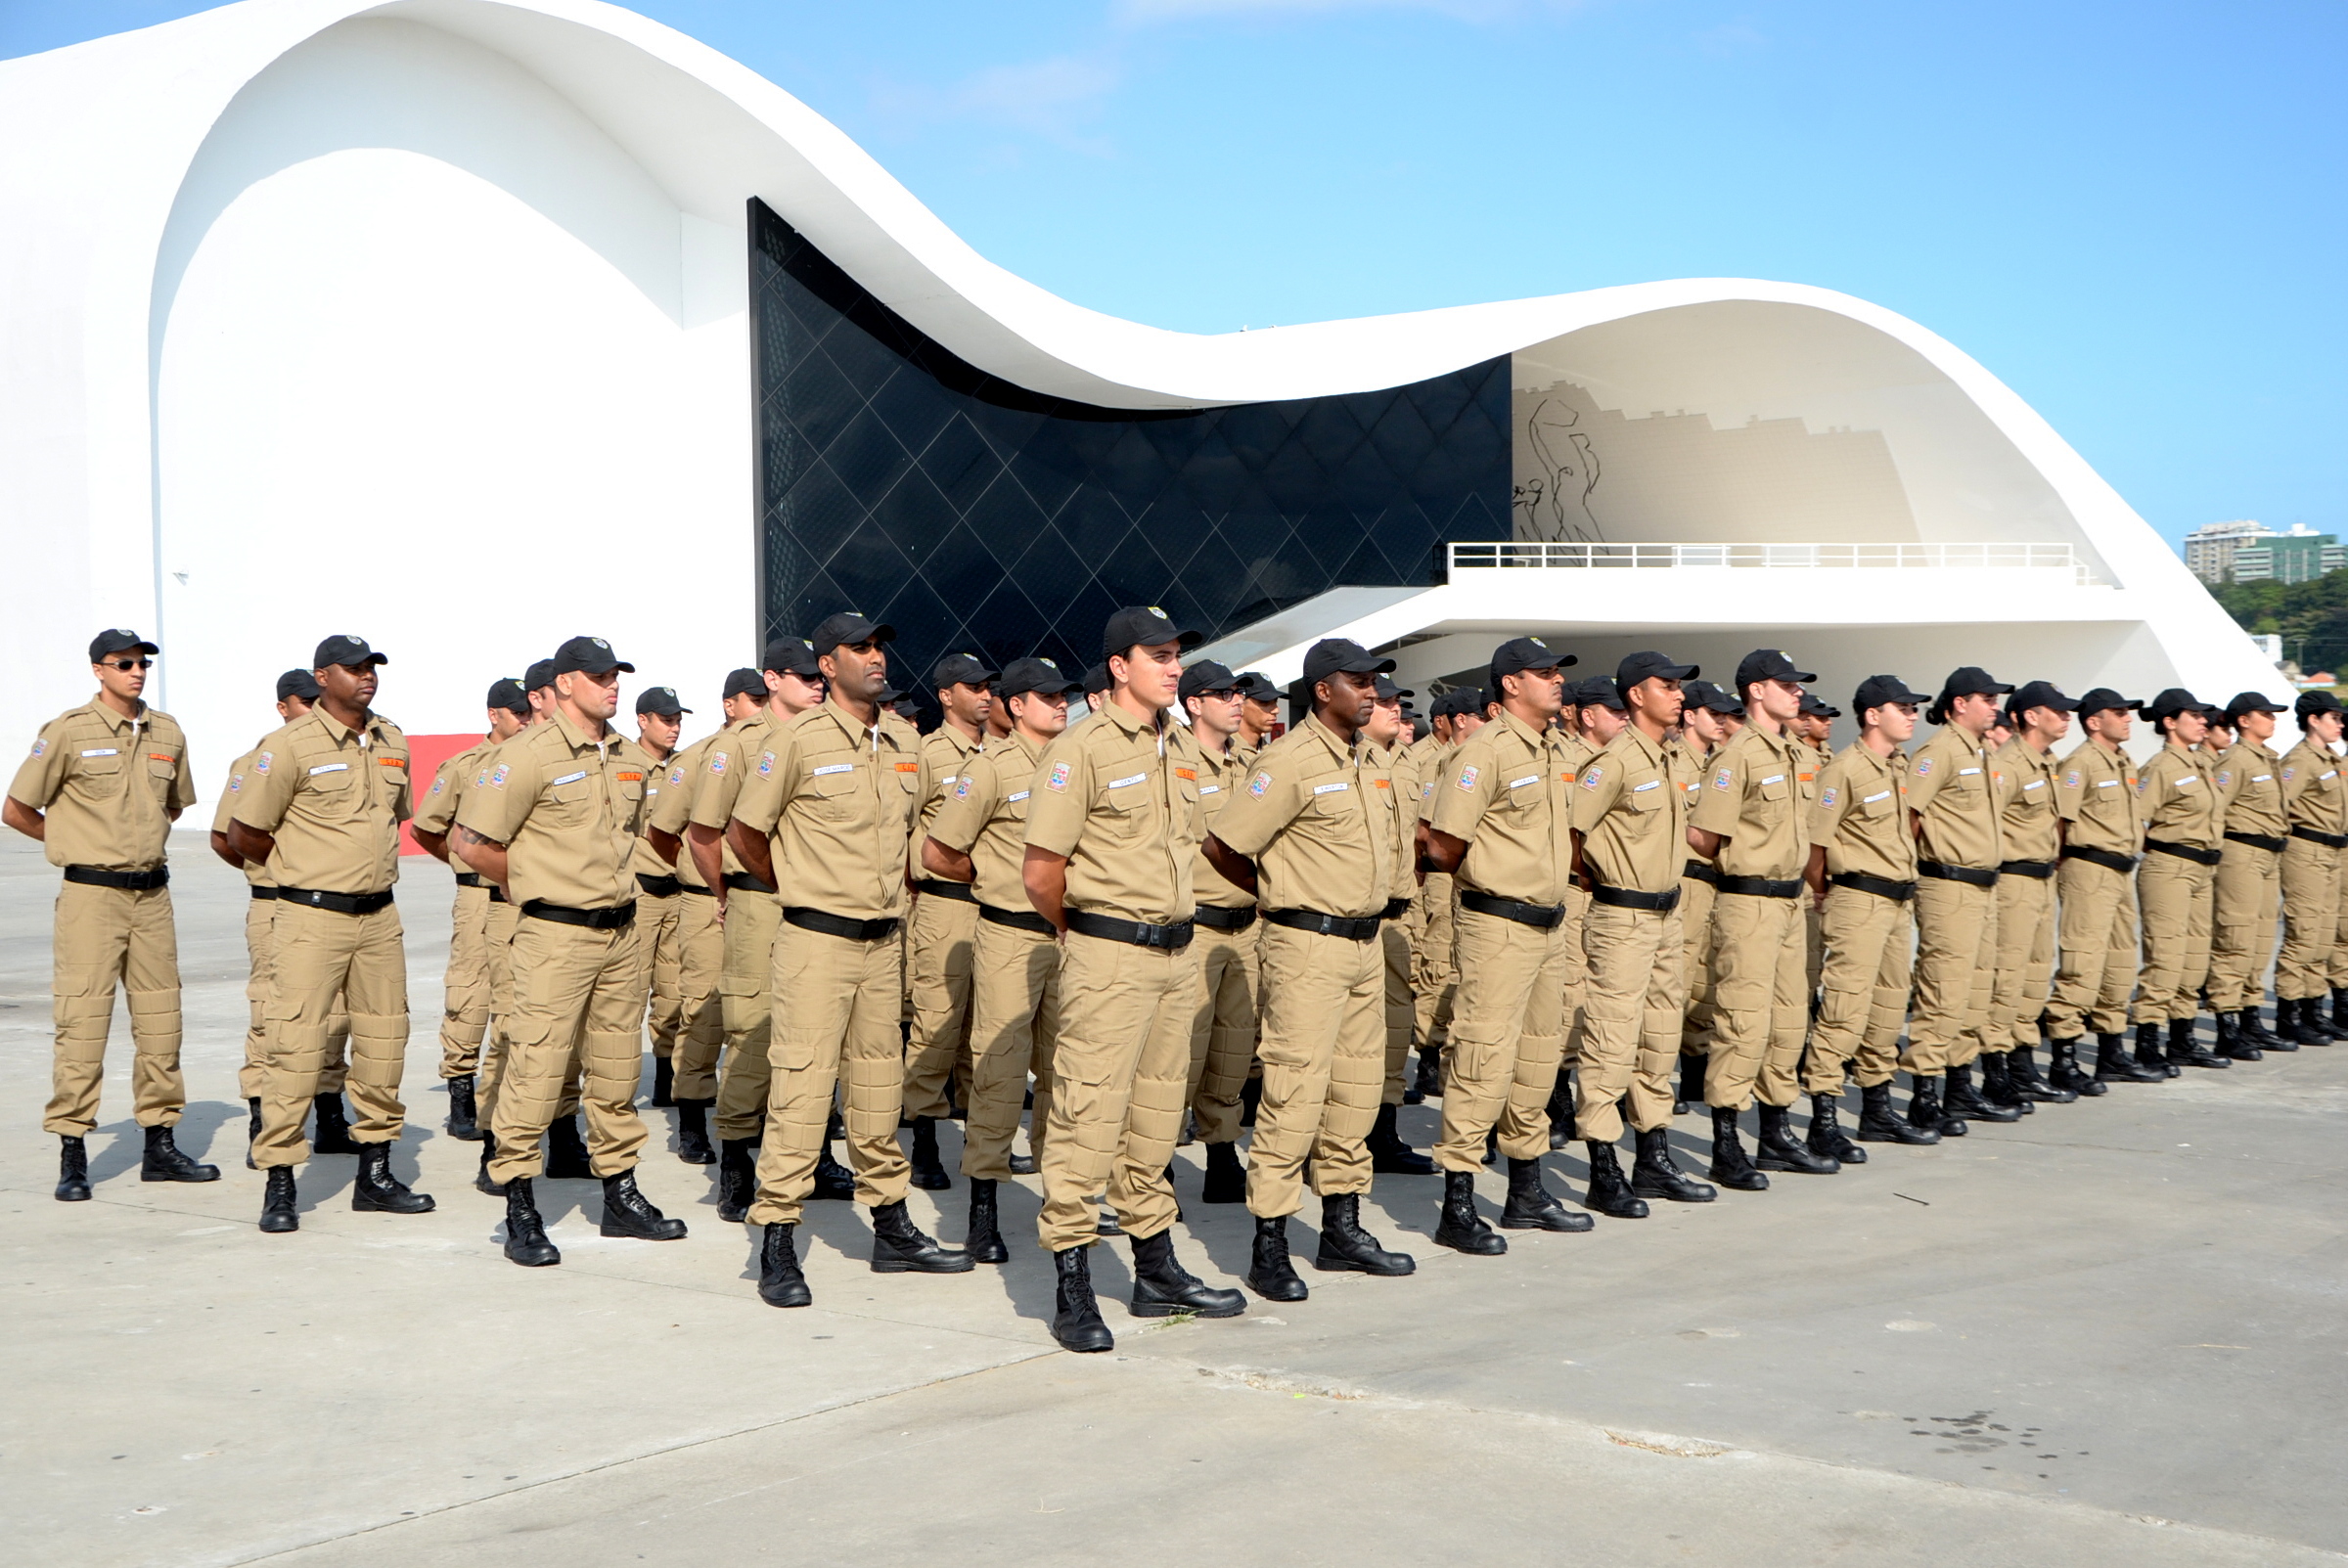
x=2246 y=552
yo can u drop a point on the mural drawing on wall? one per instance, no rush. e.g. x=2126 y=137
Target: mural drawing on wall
x=1555 y=502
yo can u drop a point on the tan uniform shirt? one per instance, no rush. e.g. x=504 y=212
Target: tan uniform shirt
x=1861 y=815
x=732 y=751
x=257 y=875
x=1812 y=763
x=1632 y=818
x=1401 y=796
x=1110 y=798
x=108 y=785
x=2097 y=795
x=2180 y=798
x=2310 y=788
x=646 y=860
x=2028 y=824
x=567 y=809
x=985 y=817
x=1220 y=777
x=1505 y=795
x=946 y=752
x=671 y=810
x=2249 y=786
x=1950 y=787
x=437 y=810
x=1433 y=767
x=1753 y=800
x=837 y=804
x=333 y=798
x=1307 y=819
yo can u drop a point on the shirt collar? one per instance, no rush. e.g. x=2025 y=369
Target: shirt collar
x=114 y=719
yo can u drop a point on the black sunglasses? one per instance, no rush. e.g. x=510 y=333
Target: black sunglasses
x=129 y=663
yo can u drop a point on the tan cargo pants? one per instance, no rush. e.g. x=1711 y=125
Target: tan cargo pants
x=746 y=1001
x=105 y=937
x=1324 y=1046
x=1435 y=979
x=2025 y=962
x=2173 y=896
x=252 y=1078
x=1394 y=942
x=2311 y=907
x=1014 y=1027
x=1956 y=970
x=1223 y=1029
x=700 y=1016
x=1630 y=1036
x=838 y=1031
x=2095 y=967
x=578 y=999
x=945 y=935
x=658 y=932
x=2337 y=965
x=1695 y=949
x=320 y=961
x=1576 y=976
x=2247 y=900
x=1863 y=990
x=1507 y=1036
x=1118 y=1079
x=465 y=984
x=1760 y=1015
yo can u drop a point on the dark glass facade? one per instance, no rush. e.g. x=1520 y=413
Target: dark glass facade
x=896 y=480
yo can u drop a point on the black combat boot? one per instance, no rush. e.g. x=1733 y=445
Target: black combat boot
x=1691 y=1084
x=1964 y=1099
x=1925 y=1109
x=1460 y=1227
x=2337 y=1022
x=2150 y=1057
x=2297 y=1022
x=2185 y=1049
x=2113 y=1064
x=525 y=1233
x=1075 y=1316
x=900 y=1248
x=1731 y=1166
x=164 y=1161
x=1164 y=1287
x=1997 y=1086
x=2251 y=1021
x=1610 y=1191
x=984 y=1243
x=664 y=1081
x=1021 y=1164
x=737 y=1178
x=1271 y=1274
x=780 y=1282
x=253 y=1131
x=1656 y=1174
x=333 y=1121
x=566 y=1152
x=834 y=1182
x=2065 y=1074
x=1532 y=1206
x=280 y=1211
x=1881 y=1123
x=1561 y=1109
x=693 y=1131
x=2021 y=1071
x=629 y=1213
x=1827 y=1139
x=928 y=1171
x=2311 y=1016
x=1427 y=1084
x=1389 y=1156
x=72 y=1170
x=1225 y=1178
x=375 y=1190
x=483 y=1180
x=1344 y=1244
x=1492 y=1147
x=1778 y=1150
x=463 y=1120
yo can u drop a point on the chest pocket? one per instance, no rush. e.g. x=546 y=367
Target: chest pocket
x=1123 y=810
x=162 y=763
x=571 y=796
x=1882 y=804
x=834 y=797
x=1344 y=799
x=335 y=784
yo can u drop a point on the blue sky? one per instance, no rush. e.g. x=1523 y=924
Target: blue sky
x=2134 y=214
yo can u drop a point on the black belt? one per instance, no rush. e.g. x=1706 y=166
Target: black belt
x=810 y=919
x=1881 y=886
x=745 y=882
x=1975 y=875
x=1703 y=871
x=1547 y=917
x=1761 y=886
x=1173 y=938
x=2111 y=860
x=1396 y=909
x=2199 y=856
x=659 y=886
x=2040 y=869
x=1353 y=928
x=259 y=891
x=695 y=887
x=1625 y=898
x=938 y=887
x=2327 y=840
x=612 y=918
x=497 y=895
x=477 y=879
x=1221 y=916
x=1017 y=919
x=2272 y=846
x=340 y=903
x=129 y=881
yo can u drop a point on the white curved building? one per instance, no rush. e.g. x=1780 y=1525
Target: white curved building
x=467 y=325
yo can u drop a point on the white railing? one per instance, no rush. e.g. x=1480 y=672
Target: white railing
x=1554 y=554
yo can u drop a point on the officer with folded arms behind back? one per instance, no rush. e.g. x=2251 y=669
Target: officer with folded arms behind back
x=1391 y=771
x=2317 y=808
x=2184 y=828
x=660 y=916
x=2030 y=833
x=1226 y=940
x=2094 y=933
x=2248 y=898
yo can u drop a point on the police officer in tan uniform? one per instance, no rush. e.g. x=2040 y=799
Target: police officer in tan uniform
x=2030 y=835
x=979 y=837
x=1503 y=827
x=1630 y=832
x=103 y=785
x=1705 y=716
x=1431 y=940
x=1227 y=934
x=2248 y=896
x=1112 y=837
x=944 y=930
x=465 y=984
x=2096 y=941
x=825 y=818
x=2317 y=808
x=1260 y=713
x=1390 y=771
x=1319 y=856
x=2183 y=832
x=556 y=827
x=322 y=807
x=660 y=920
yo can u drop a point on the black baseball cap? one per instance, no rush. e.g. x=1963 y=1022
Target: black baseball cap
x=1596 y=692
x=1650 y=666
x=304 y=684
x=504 y=692
x=119 y=640
x=744 y=683
x=1708 y=697
x=1142 y=626
x=1885 y=691
x=1097 y=678
x=2104 y=700
x=1971 y=679
x=1818 y=708
x=961 y=669
x=2252 y=702
x=589 y=655
x=848 y=626
x=662 y=700
x=346 y=650
x=2043 y=695
x=1768 y=664
x=1388 y=692
x=1204 y=677
x=2310 y=703
x=1332 y=655
x=1520 y=654
x=2171 y=703
x=791 y=656
x=1256 y=687
x=1039 y=675
x=539 y=676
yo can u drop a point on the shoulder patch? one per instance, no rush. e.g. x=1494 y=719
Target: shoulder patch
x=1922 y=768
x=1725 y=778
x=1058 y=781
x=1259 y=784
x=260 y=764
x=717 y=762
x=766 y=764
x=498 y=775
x=962 y=788
x=2072 y=780
x=1826 y=796
x=40 y=747
x=2224 y=777
x=676 y=776
x=236 y=782
x=437 y=785
x=1467 y=777
x=2288 y=774
x=1591 y=775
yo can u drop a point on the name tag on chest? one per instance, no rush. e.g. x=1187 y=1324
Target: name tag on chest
x=571 y=779
x=834 y=767
x=1651 y=783
x=1520 y=784
x=1129 y=779
x=329 y=767
x=1331 y=788
x=1016 y=796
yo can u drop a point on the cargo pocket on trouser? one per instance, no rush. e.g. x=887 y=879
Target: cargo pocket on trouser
x=82 y=1008
x=529 y=1085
